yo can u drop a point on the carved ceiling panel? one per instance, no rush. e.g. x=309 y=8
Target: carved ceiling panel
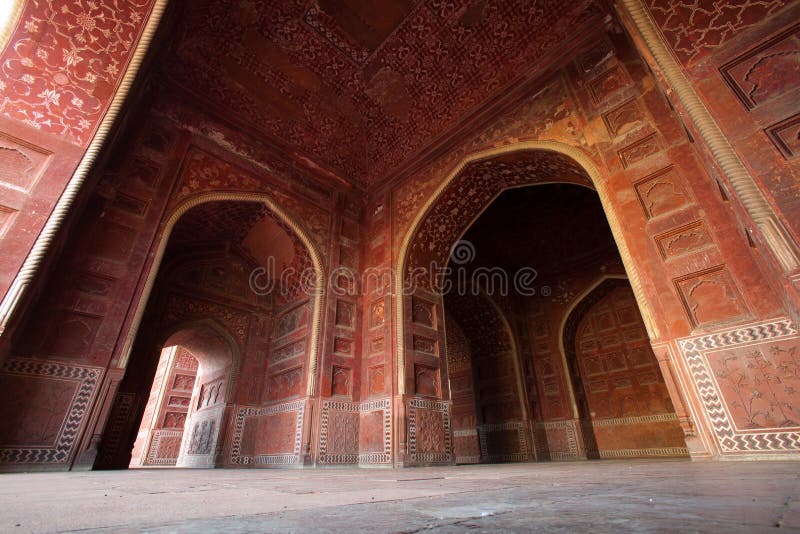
x=217 y=222
x=356 y=88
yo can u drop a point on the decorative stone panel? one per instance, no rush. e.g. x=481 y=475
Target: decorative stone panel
x=355 y=432
x=562 y=440
x=376 y=418
x=510 y=439
x=747 y=378
x=36 y=393
x=246 y=423
x=429 y=439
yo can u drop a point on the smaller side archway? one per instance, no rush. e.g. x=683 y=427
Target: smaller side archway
x=184 y=417
x=203 y=267
x=489 y=413
x=317 y=287
x=621 y=400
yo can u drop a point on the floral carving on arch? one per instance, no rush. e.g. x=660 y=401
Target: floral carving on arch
x=205 y=173
x=65 y=60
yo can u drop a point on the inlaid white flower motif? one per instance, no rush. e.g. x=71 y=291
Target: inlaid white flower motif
x=71 y=57
x=36 y=121
x=50 y=96
x=86 y=21
x=57 y=36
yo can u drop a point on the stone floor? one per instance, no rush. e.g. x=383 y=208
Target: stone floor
x=601 y=496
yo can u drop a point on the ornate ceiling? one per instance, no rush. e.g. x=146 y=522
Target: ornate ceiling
x=220 y=222
x=248 y=226
x=356 y=86
x=249 y=230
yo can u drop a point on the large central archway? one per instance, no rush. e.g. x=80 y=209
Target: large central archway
x=451 y=210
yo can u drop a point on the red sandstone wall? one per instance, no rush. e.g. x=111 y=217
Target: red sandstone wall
x=466 y=444
x=741 y=58
x=699 y=275
x=491 y=400
x=86 y=313
x=162 y=426
x=60 y=69
x=713 y=315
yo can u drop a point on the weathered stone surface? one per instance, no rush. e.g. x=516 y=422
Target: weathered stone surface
x=276 y=148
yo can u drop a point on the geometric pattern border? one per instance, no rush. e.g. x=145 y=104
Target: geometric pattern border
x=362 y=458
x=339 y=406
x=385 y=457
x=118 y=424
x=635 y=420
x=429 y=457
x=657 y=452
x=158 y=437
x=572 y=439
x=88 y=379
x=243 y=412
x=467 y=433
x=694 y=351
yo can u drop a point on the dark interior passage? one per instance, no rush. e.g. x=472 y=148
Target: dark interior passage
x=557 y=364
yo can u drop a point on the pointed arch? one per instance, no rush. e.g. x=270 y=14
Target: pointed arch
x=562 y=149
x=515 y=358
x=295 y=226
x=224 y=334
x=578 y=306
x=567 y=331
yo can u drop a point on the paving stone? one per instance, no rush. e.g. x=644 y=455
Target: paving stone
x=599 y=496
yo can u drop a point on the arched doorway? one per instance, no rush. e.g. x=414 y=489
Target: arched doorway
x=182 y=420
x=555 y=428
x=623 y=404
x=489 y=413
x=233 y=276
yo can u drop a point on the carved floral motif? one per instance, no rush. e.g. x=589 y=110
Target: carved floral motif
x=63 y=64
